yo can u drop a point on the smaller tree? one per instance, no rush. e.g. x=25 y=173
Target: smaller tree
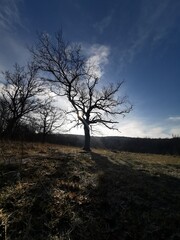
x=50 y=118
x=20 y=95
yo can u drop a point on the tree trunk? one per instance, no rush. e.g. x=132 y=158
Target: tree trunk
x=10 y=129
x=44 y=134
x=86 y=138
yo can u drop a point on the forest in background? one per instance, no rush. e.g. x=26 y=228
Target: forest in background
x=169 y=146
x=138 y=145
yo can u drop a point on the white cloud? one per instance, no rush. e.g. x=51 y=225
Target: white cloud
x=131 y=128
x=138 y=128
x=98 y=57
x=174 y=126
x=174 y=119
x=99 y=53
x=1 y=87
x=175 y=131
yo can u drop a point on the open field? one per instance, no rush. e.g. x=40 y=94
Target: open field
x=55 y=192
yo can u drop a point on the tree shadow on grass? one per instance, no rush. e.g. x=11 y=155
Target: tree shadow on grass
x=91 y=197
x=134 y=204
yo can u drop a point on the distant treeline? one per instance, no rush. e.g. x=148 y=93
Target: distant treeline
x=142 y=145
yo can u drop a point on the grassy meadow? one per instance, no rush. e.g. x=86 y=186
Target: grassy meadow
x=56 y=192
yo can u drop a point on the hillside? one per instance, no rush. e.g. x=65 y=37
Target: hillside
x=144 y=145
x=58 y=192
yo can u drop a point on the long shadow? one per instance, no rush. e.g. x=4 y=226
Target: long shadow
x=93 y=198
x=135 y=205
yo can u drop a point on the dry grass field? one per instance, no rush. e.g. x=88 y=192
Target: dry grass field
x=55 y=192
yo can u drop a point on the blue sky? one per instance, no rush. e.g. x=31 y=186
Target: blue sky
x=133 y=40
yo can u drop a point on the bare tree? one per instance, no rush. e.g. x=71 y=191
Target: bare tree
x=71 y=74
x=50 y=118
x=20 y=95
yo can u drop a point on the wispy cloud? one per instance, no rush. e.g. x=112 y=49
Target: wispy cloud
x=174 y=119
x=9 y=15
x=12 y=46
x=13 y=49
x=154 y=23
x=104 y=23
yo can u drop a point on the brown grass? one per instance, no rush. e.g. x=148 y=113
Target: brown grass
x=57 y=192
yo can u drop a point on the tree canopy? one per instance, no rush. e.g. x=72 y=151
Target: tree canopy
x=71 y=74
x=19 y=96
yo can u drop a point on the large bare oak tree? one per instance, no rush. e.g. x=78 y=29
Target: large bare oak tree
x=71 y=74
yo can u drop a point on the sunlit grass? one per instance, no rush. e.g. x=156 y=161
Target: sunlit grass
x=60 y=192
